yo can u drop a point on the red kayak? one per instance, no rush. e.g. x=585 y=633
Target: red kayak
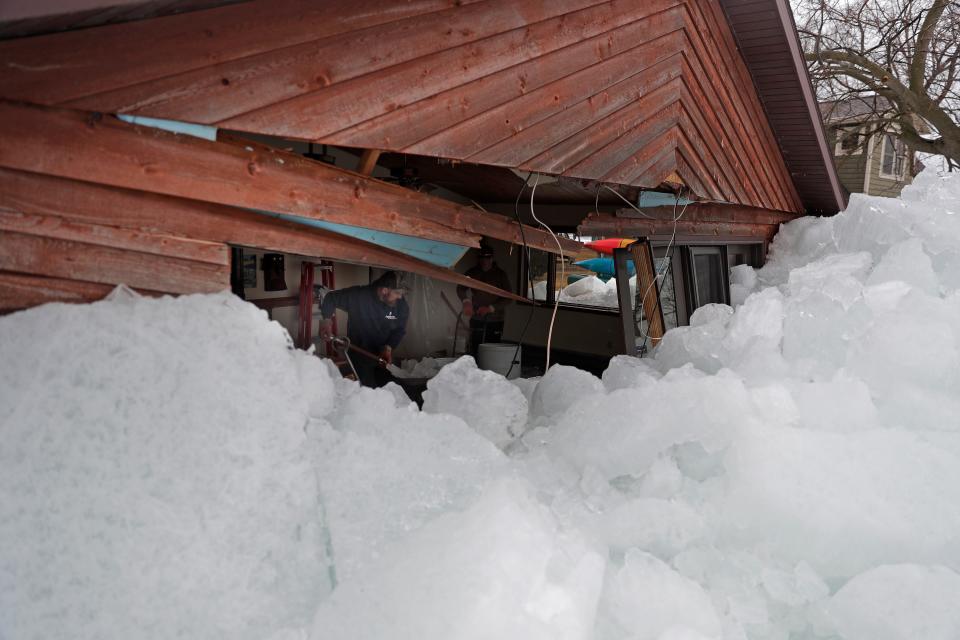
x=607 y=245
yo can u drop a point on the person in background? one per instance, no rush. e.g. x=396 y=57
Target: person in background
x=485 y=310
x=377 y=321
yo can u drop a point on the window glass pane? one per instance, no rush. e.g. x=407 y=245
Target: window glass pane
x=539 y=264
x=849 y=139
x=889 y=154
x=668 y=293
x=709 y=278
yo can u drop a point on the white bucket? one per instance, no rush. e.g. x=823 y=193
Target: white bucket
x=498 y=356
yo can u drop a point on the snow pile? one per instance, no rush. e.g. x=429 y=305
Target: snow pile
x=789 y=468
x=147 y=492
x=423 y=368
x=594 y=292
x=488 y=402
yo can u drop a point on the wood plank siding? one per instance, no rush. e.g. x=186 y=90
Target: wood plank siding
x=72 y=236
x=620 y=91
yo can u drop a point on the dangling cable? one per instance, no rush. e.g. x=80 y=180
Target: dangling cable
x=556 y=302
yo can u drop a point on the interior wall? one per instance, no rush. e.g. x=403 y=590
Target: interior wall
x=345 y=275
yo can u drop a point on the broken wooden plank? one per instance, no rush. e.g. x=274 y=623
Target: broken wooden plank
x=648 y=288
x=97 y=148
x=368 y=160
x=37 y=255
x=61 y=228
x=21 y=291
x=35 y=193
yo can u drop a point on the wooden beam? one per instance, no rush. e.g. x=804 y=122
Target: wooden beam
x=718 y=231
x=98 y=204
x=368 y=161
x=60 y=228
x=21 y=291
x=647 y=286
x=707 y=219
x=710 y=212
x=101 y=149
x=38 y=255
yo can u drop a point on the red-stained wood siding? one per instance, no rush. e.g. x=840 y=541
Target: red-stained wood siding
x=621 y=91
x=68 y=240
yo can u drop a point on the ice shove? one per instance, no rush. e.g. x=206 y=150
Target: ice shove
x=787 y=467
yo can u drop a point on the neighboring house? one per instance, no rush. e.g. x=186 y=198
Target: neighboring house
x=879 y=163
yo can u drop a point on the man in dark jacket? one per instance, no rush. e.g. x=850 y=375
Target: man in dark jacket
x=485 y=310
x=377 y=322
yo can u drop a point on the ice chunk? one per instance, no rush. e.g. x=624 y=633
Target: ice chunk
x=842 y=404
x=699 y=344
x=500 y=569
x=744 y=275
x=488 y=402
x=895 y=602
x=839 y=277
x=385 y=472
x=646 y=598
x=662 y=527
x=906 y=261
x=560 y=388
x=759 y=321
x=711 y=313
x=743 y=281
x=843 y=502
x=317 y=380
x=154 y=478
x=794 y=588
x=624 y=432
x=626 y=372
x=584 y=286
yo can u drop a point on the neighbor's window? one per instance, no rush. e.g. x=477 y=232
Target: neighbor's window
x=894 y=157
x=849 y=141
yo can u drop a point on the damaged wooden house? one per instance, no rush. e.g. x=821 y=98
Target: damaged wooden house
x=284 y=148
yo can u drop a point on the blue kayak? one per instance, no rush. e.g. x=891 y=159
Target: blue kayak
x=603 y=266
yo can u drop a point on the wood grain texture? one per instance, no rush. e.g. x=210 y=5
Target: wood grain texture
x=107 y=151
x=565 y=87
x=39 y=255
x=98 y=204
x=21 y=291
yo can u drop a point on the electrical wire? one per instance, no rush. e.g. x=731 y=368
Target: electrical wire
x=526 y=258
x=556 y=303
x=596 y=201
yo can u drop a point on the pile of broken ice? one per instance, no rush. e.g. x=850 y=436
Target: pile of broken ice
x=787 y=469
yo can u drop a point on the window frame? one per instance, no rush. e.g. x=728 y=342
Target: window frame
x=845 y=132
x=692 y=252
x=899 y=156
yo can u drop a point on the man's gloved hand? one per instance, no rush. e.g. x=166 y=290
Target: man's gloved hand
x=467 y=308
x=326 y=329
x=386 y=355
x=483 y=311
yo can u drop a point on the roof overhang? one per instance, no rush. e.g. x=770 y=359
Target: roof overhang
x=770 y=46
